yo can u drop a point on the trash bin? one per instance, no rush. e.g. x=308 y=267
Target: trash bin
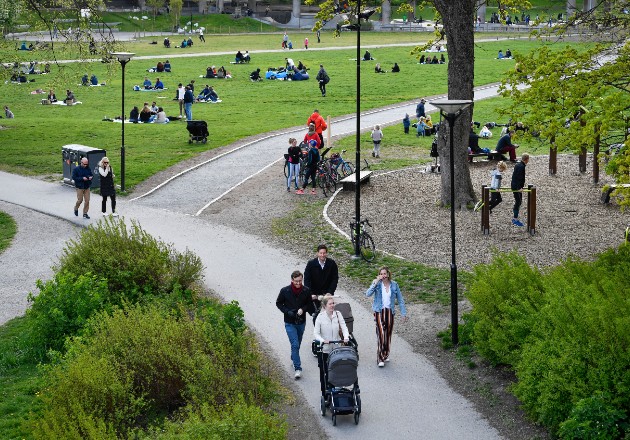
x=71 y=156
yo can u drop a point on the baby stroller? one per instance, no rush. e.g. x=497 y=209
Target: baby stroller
x=342 y=394
x=198 y=131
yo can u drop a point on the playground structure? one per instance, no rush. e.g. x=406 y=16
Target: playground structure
x=531 y=208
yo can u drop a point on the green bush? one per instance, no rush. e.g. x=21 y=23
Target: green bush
x=236 y=421
x=581 y=343
x=506 y=296
x=594 y=418
x=62 y=308
x=135 y=366
x=132 y=261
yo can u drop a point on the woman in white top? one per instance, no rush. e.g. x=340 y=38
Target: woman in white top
x=328 y=327
x=377 y=136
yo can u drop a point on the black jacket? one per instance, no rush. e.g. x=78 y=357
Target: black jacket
x=289 y=303
x=518 y=176
x=321 y=281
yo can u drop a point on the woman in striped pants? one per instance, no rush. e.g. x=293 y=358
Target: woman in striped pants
x=386 y=292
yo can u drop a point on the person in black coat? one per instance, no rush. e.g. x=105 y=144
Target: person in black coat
x=294 y=301
x=518 y=183
x=107 y=186
x=321 y=276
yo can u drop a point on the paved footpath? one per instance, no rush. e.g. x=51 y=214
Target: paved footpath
x=419 y=403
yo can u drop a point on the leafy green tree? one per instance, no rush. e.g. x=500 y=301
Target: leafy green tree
x=176 y=11
x=579 y=101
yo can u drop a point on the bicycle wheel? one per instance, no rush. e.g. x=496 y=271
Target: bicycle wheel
x=331 y=185
x=286 y=169
x=368 y=250
x=347 y=169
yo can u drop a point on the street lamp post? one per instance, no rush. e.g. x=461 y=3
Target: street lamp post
x=123 y=58
x=357 y=190
x=451 y=110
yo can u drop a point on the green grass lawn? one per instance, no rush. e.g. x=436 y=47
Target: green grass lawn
x=8 y=229
x=32 y=141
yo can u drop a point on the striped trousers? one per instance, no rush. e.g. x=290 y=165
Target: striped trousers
x=384 y=329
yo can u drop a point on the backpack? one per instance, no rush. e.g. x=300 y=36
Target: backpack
x=326 y=78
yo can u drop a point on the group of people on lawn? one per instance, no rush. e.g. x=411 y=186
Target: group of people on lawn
x=148 y=114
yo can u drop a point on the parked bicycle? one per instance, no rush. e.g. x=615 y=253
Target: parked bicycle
x=366 y=242
x=341 y=166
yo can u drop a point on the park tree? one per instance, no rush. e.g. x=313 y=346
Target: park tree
x=579 y=100
x=176 y=11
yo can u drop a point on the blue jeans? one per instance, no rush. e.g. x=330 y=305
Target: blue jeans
x=188 y=110
x=295 y=332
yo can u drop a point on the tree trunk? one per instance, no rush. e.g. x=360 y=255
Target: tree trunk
x=459 y=27
x=553 y=157
x=596 y=160
x=386 y=12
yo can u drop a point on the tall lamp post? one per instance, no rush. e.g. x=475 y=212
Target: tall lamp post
x=123 y=58
x=451 y=110
x=365 y=15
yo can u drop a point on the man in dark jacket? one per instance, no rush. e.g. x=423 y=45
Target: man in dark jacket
x=505 y=145
x=518 y=183
x=420 y=113
x=189 y=98
x=294 y=301
x=321 y=276
x=82 y=177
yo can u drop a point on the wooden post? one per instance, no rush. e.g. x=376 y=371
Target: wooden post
x=531 y=209
x=582 y=160
x=485 y=210
x=553 y=157
x=596 y=158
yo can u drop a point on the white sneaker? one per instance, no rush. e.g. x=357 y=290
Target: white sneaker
x=104 y=214
x=298 y=374
x=381 y=364
x=387 y=360
x=114 y=214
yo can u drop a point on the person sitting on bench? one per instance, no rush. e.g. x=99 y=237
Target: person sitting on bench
x=255 y=75
x=505 y=145
x=473 y=141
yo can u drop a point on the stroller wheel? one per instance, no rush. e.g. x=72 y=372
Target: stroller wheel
x=358 y=405
x=322 y=406
x=334 y=419
x=356 y=417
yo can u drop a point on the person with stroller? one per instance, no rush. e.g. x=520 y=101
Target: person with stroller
x=329 y=326
x=107 y=186
x=385 y=292
x=294 y=301
x=295 y=153
x=312 y=159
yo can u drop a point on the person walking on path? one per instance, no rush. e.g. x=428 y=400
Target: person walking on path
x=294 y=301
x=180 y=98
x=285 y=40
x=505 y=145
x=323 y=79
x=329 y=326
x=312 y=159
x=107 y=186
x=320 y=126
x=189 y=98
x=386 y=292
x=82 y=177
x=420 y=113
x=518 y=183
x=295 y=153
x=306 y=43
x=201 y=37
x=318 y=36
x=321 y=276
x=377 y=136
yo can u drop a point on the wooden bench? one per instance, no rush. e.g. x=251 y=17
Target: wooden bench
x=606 y=194
x=492 y=155
x=349 y=183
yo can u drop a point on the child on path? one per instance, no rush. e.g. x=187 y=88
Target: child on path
x=377 y=136
x=306 y=43
x=311 y=167
x=495 y=184
x=406 y=123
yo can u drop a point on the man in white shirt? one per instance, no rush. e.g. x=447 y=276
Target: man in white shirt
x=180 y=98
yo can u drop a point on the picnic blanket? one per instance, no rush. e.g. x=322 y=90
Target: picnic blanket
x=92 y=85
x=64 y=103
x=149 y=90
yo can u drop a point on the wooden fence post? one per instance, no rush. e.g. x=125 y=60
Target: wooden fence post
x=531 y=209
x=485 y=209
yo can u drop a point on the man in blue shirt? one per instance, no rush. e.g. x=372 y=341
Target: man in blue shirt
x=147 y=83
x=505 y=145
x=420 y=109
x=82 y=177
x=158 y=84
x=189 y=98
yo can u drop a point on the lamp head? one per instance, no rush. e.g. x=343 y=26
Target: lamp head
x=122 y=57
x=452 y=106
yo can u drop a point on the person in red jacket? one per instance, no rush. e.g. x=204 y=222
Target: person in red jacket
x=312 y=136
x=320 y=126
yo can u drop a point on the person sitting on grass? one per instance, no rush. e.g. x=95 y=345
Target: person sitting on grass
x=377 y=68
x=94 y=80
x=145 y=115
x=301 y=67
x=210 y=73
x=159 y=67
x=239 y=58
x=160 y=117
x=246 y=57
x=159 y=85
x=147 y=83
x=255 y=75
x=367 y=56
x=52 y=97
x=70 y=97
x=395 y=68
x=167 y=66
x=212 y=95
x=134 y=115
x=167 y=43
x=85 y=80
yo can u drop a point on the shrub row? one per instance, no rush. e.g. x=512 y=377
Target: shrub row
x=565 y=333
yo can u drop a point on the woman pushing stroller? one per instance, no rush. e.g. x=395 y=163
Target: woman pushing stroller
x=329 y=326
